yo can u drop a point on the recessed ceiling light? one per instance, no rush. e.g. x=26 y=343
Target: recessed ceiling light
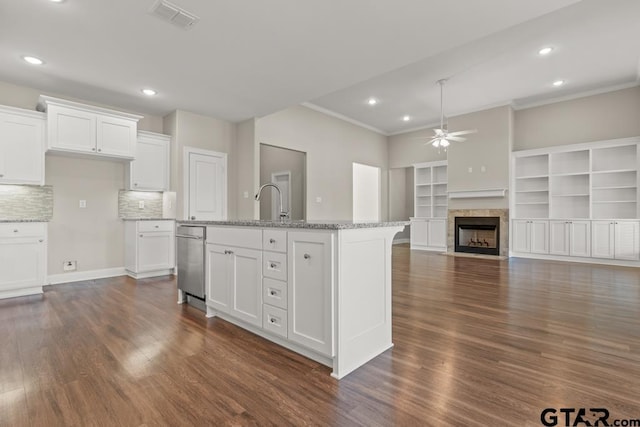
x=372 y=101
x=406 y=118
x=149 y=92
x=33 y=60
x=558 y=83
x=56 y=1
x=545 y=51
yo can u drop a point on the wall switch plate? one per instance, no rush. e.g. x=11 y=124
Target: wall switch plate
x=141 y=204
x=245 y=194
x=483 y=169
x=470 y=169
x=83 y=204
x=69 y=266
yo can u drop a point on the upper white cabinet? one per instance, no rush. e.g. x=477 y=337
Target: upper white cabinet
x=150 y=169
x=80 y=128
x=21 y=146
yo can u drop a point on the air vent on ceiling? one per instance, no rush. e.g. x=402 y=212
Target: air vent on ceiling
x=169 y=12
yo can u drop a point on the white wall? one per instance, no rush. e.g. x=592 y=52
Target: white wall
x=91 y=236
x=247 y=157
x=599 y=117
x=332 y=145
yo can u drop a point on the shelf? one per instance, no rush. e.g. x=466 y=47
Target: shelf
x=532 y=191
x=424 y=206
x=439 y=183
x=533 y=176
x=616 y=187
x=571 y=174
x=570 y=195
x=532 y=203
x=613 y=201
x=613 y=171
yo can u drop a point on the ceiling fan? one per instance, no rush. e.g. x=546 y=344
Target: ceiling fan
x=443 y=137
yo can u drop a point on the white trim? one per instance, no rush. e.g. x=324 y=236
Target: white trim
x=343 y=117
x=584 y=94
x=49 y=100
x=574 y=147
x=147 y=274
x=12 y=293
x=22 y=112
x=185 y=178
x=154 y=135
x=476 y=194
x=581 y=260
x=400 y=241
x=79 y=276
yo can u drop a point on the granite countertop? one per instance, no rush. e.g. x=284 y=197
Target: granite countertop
x=317 y=225
x=147 y=218
x=26 y=220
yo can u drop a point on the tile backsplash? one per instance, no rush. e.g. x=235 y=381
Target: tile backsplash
x=129 y=204
x=22 y=202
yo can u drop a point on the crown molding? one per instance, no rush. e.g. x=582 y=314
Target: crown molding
x=343 y=117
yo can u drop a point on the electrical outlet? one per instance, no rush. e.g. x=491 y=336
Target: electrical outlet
x=483 y=169
x=82 y=204
x=470 y=169
x=141 y=204
x=245 y=194
x=69 y=266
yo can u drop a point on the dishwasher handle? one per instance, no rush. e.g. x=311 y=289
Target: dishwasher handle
x=189 y=237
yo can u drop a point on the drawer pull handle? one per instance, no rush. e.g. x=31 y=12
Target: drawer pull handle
x=142 y=235
x=272 y=241
x=157 y=226
x=273 y=293
x=15 y=231
x=228 y=252
x=41 y=240
x=307 y=256
x=272 y=320
x=273 y=265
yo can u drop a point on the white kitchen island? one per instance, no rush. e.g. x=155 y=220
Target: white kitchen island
x=321 y=289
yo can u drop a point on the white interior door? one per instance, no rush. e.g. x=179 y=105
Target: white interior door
x=366 y=193
x=207 y=185
x=283 y=181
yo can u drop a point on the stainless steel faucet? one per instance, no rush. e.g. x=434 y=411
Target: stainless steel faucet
x=283 y=214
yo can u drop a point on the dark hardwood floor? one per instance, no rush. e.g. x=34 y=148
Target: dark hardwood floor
x=477 y=343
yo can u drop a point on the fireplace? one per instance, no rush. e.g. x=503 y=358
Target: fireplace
x=479 y=235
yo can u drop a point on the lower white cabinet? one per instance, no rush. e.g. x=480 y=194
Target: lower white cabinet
x=23 y=258
x=530 y=236
x=234 y=281
x=310 y=281
x=149 y=248
x=615 y=240
x=429 y=234
x=571 y=238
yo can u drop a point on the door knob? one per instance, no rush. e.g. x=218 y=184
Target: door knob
x=272 y=241
x=307 y=256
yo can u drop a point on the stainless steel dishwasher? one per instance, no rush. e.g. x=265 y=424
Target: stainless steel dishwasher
x=191 y=241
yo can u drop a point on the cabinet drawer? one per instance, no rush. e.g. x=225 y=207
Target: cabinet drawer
x=274 y=292
x=274 y=320
x=238 y=237
x=19 y=229
x=274 y=265
x=274 y=240
x=144 y=226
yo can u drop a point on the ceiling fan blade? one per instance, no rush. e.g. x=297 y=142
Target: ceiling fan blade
x=463 y=132
x=456 y=138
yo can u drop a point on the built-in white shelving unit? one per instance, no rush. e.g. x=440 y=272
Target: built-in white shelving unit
x=586 y=192
x=429 y=223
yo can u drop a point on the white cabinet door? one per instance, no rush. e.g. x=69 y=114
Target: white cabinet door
x=602 y=239
x=116 y=136
x=559 y=237
x=22 y=263
x=70 y=129
x=150 y=169
x=21 y=149
x=626 y=240
x=520 y=239
x=246 y=285
x=580 y=238
x=437 y=235
x=155 y=251
x=207 y=187
x=419 y=232
x=310 y=278
x=217 y=276
x=539 y=236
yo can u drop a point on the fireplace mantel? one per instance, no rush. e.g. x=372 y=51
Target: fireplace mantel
x=477 y=194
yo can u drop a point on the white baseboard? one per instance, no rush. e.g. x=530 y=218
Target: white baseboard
x=400 y=241
x=78 y=276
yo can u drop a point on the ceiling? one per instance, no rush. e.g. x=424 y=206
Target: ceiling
x=247 y=59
